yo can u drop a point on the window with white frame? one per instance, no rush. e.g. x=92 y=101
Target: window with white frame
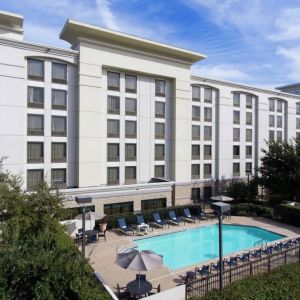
x=113 y=81
x=248 y=118
x=298 y=123
x=248 y=151
x=113 y=152
x=130 y=129
x=249 y=101
x=207 y=95
x=271 y=136
x=236 y=169
x=271 y=120
x=160 y=87
x=159 y=130
x=35 y=152
x=236 y=100
x=159 y=171
x=159 y=109
x=236 y=117
x=130 y=152
x=195 y=171
x=236 y=151
x=35 y=97
x=59 y=99
x=279 y=105
x=34 y=178
x=207 y=114
x=113 y=176
x=236 y=134
x=248 y=168
x=207 y=151
x=279 y=121
x=58 y=152
x=35 y=125
x=298 y=108
x=279 y=136
x=113 y=105
x=196 y=113
x=130 y=83
x=35 y=69
x=207 y=170
x=130 y=175
x=195 y=152
x=59 y=73
x=271 y=105
x=130 y=106
x=159 y=152
x=58 y=178
x=195 y=132
x=207 y=133
x=196 y=93
x=113 y=128
x=59 y=126
x=248 y=135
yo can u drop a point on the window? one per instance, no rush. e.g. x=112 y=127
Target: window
x=159 y=130
x=195 y=171
x=196 y=113
x=113 y=105
x=248 y=151
x=59 y=126
x=207 y=95
x=159 y=152
x=279 y=106
x=130 y=175
x=207 y=170
x=159 y=109
x=113 y=81
x=118 y=208
x=248 y=168
x=35 y=69
x=248 y=135
x=236 y=99
x=35 y=97
x=298 y=123
x=160 y=87
x=195 y=195
x=113 y=128
x=113 y=153
x=34 y=178
x=207 y=114
x=297 y=135
x=236 y=134
x=58 y=152
x=196 y=93
x=271 y=105
x=279 y=136
x=130 y=106
x=130 y=152
x=153 y=204
x=130 y=83
x=59 y=99
x=195 y=152
x=130 y=129
x=35 y=125
x=59 y=73
x=236 y=117
x=236 y=169
x=271 y=120
x=279 y=121
x=236 y=152
x=271 y=136
x=113 y=176
x=248 y=118
x=207 y=151
x=298 y=108
x=195 y=132
x=159 y=171
x=249 y=101
x=207 y=133
x=58 y=178
x=35 y=152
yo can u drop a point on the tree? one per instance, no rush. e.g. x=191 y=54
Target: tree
x=38 y=260
x=280 y=168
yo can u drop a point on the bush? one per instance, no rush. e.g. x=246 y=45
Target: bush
x=288 y=214
x=282 y=283
x=253 y=210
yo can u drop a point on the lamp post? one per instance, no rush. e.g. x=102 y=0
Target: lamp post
x=220 y=208
x=83 y=200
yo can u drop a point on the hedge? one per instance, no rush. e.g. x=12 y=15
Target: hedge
x=288 y=214
x=253 y=210
x=281 y=283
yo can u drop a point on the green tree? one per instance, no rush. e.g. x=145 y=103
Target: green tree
x=280 y=168
x=38 y=260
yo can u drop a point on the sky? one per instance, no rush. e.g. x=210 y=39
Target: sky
x=254 y=42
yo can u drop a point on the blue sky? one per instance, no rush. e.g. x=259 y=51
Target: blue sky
x=255 y=42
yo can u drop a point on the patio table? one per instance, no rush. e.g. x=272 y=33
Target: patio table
x=136 y=288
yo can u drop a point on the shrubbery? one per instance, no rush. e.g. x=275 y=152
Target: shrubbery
x=253 y=210
x=281 y=283
x=288 y=214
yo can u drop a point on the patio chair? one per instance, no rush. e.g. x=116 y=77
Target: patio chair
x=122 y=226
x=204 y=271
x=267 y=250
x=243 y=257
x=78 y=238
x=158 y=220
x=231 y=262
x=200 y=213
x=173 y=218
x=122 y=292
x=102 y=234
x=216 y=266
x=188 y=216
x=141 y=221
x=157 y=289
x=92 y=238
x=255 y=253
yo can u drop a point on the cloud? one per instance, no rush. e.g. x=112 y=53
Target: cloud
x=108 y=18
x=293 y=58
x=221 y=71
x=287 y=25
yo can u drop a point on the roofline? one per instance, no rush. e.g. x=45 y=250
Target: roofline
x=288 y=86
x=98 y=32
x=252 y=88
x=11 y=14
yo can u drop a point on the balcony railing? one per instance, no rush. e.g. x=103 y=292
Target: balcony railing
x=32 y=160
x=35 y=131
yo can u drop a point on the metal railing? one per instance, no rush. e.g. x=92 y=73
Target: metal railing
x=200 y=286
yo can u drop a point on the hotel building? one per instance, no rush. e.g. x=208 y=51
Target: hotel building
x=122 y=119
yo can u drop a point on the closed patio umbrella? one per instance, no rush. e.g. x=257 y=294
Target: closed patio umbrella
x=221 y=198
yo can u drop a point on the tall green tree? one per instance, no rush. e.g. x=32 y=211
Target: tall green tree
x=280 y=168
x=38 y=260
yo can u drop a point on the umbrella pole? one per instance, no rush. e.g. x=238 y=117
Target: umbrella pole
x=139 y=279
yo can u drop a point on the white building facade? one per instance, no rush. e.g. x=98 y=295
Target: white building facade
x=122 y=119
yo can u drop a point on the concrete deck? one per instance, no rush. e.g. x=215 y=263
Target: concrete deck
x=103 y=254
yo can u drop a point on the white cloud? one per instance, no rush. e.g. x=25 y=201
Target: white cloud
x=293 y=57
x=221 y=71
x=108 y=18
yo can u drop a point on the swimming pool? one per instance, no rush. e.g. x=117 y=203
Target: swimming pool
x=188 y=247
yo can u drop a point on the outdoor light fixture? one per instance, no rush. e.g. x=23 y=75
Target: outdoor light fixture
x=220 y=208
x=83 y=200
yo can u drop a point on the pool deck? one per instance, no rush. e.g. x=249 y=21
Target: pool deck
x=102 y=255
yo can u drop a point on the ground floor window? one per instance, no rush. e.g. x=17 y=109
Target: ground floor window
x=118 y=208
x=195 y=195
x=150 y=204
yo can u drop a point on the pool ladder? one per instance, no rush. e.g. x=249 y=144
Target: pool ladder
x=260 y=243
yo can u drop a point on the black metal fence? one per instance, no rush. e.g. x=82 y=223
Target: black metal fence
x=200 y=286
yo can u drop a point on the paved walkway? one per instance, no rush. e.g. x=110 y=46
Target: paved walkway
x=103 y=254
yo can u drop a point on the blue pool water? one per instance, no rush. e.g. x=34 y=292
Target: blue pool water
x=197 y=245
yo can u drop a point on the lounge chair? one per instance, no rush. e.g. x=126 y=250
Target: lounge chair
x=255 y=253
x=231 y=262
x=122 y=226
x=267 y=250
x=173 y=218
x=200 y=213
x=141 y=222
x=204 y=271
x=158 y=220
x=243 y=257
x=188 y=216
x=216 y=266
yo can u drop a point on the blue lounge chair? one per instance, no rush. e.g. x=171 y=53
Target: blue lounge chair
x=200 y=213
x=122 y=226
x=158 y=220
x=255 y=253
x=216 y=266
x=188 y=216
x=204 y=271
x=173 y=218
x=231 y=262
x=243 y=257
x=267 y=250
